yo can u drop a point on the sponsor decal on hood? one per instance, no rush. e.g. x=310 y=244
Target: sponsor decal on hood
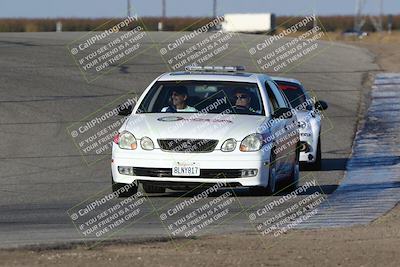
x=175 y=118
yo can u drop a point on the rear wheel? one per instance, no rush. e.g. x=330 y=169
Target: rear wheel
x=148 y=188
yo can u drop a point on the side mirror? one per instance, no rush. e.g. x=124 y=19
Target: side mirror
x=283 y=112
x=321 y=105
x=125 y=110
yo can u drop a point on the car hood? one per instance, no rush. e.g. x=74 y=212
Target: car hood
x=193 y=125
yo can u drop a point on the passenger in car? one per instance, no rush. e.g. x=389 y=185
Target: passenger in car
x=179 y=98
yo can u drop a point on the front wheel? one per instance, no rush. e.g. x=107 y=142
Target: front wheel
x=271 y=187
x=148 y=188
x=123 y=190
x=316 y=166
x=293 y=181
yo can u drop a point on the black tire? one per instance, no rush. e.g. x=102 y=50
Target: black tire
x=271 y=187
x=293 y=180
x=148 y=188
x=116 y=187
x=316 y=166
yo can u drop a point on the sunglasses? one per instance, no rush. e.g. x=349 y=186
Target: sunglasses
x=242 y=97
x=177 y=94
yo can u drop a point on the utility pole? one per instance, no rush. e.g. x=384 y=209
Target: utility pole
x=359 y=19
x=164 y=9
x=377 y=21
x=129 y=8
x=214 y=8
x=381 y=15
x=163 y=15
x=315 y=23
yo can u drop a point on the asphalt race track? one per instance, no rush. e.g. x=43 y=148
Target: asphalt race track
x=42 y=92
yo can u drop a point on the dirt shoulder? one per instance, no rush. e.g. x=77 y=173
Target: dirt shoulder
x=373 y=245
x=386 y=47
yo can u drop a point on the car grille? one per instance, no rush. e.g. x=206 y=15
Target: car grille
x=187 y=145
x=204 y=173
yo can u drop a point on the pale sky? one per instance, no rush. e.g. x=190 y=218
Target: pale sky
x=117 y=8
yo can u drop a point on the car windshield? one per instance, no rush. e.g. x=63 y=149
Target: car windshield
x=216 y=97
x=295 y=94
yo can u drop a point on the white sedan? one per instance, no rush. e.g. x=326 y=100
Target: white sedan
x=204 y=126
x=309 y=116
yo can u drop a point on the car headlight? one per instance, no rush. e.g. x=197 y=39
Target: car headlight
x=252 y=142
x=229 y=145
x=146 y=143
x=126 y=140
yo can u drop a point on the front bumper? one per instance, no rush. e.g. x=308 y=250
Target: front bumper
x=309 y=154
x=216 y=167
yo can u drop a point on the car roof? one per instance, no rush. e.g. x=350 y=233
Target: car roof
x=285 y=79
x=214 y=76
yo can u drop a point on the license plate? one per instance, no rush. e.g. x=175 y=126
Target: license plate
x=190 y=169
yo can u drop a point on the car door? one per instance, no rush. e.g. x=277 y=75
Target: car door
x=293 y=126
x=277 y=131
x=288 y=138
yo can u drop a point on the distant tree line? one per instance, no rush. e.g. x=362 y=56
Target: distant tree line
x=341 y=23
x=330 y=23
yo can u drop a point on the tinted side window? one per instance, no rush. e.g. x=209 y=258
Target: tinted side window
x=282 y=102
x=294 y=92
x=287 y=102
x=273 y=102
